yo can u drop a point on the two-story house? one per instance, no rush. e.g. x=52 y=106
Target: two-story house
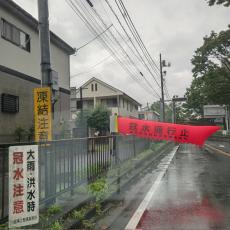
x=20 y=70
x=95 y=92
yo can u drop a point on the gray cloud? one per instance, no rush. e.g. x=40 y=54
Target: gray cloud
x=174 y=28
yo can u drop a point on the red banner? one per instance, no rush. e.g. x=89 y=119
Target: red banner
x=166 y=131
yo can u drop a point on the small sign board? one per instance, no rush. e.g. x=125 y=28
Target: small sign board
x=23 y=186
x=214 y=111
x=42 y=114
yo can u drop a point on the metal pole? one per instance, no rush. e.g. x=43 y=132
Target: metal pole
x=81 y=103
x=162 y=92
x=44 y=35
x=227 y=117
x=174 y=111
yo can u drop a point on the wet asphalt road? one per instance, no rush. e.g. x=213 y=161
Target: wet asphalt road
x=194 y=194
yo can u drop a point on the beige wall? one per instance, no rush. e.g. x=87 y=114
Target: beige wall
x=118 y=110
x=102 y=91
x=126 y=111
x=29 y=62
x=10 y=84
x=24 y=118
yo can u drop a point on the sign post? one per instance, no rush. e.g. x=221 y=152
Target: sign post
x=42 y=114
x=23 y=186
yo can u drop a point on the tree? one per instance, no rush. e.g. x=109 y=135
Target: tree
x=82 y=118
x=81 y=122
x=168 y=110
x=99 y=119
x=219 y=2
x=211 y=72
x=196 y=98
x=213 y=54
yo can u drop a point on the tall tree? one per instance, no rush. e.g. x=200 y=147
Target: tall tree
x=211 y=72
x=213 y=54
x=219 y=2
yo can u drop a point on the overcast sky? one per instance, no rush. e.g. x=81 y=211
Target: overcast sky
x=174 y=28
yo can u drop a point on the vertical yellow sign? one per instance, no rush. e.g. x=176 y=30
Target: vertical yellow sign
x=42 y=114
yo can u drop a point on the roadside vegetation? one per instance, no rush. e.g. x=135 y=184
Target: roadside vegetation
x=99 y=192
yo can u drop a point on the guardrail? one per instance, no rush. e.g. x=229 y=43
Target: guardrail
x=66 y=164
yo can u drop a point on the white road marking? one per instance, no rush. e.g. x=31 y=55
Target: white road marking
x=133 y=222
x=221 y=146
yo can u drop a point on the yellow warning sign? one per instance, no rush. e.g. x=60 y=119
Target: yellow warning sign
x=42 y=114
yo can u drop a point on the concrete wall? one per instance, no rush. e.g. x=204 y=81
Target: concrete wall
x=28 y=63
x=25 y=117
x=61 y=114
x=73 y=103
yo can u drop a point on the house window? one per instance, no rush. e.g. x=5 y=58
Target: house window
x=92 y=87
x=95 y=86
x=12 y=34
x=79 y=104
x=127 y=105
x=110 y=102
x=123 y=103
x=141 y=116
x=9 y=103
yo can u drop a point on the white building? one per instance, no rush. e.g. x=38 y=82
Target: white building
x=95 y=92
x=217 y=114
x=20 y=69
x=147 y=114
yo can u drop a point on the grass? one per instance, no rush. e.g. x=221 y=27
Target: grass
x=79 y=215
x=53 y=209
x=56 y=226
x=101 y=189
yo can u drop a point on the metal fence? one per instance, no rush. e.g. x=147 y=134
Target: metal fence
x=66 y=164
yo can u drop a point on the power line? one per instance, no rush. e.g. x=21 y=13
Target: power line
x=92 y=23
x=135 y=33
x=130 y=60
x=92 y=67
x=140 y=56
x=102 y=40
x=94 y=38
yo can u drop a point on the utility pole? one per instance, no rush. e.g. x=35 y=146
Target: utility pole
x=174 y=111
x=162 y=93
x=44 y=34
x=81 y=102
